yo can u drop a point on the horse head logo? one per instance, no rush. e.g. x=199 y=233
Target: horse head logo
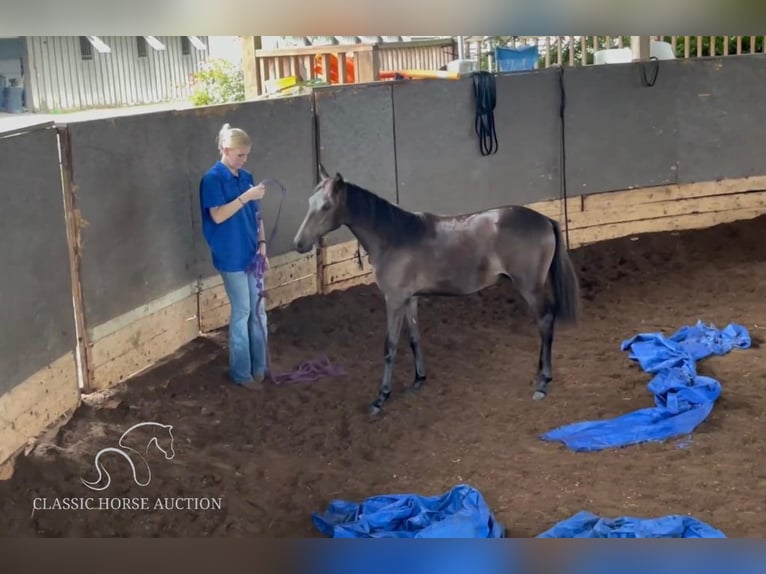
x=161 y=432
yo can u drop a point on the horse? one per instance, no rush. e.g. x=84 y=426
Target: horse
x=419 y=254
x=168 y=451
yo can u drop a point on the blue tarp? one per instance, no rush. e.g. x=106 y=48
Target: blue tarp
x=459 y=513
x=683 y=398
x=463 y=513
x=516 y=59
x=588 y=525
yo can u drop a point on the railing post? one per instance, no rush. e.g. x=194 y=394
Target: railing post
x=640 y=45
x=368 y=65
x=250 y=67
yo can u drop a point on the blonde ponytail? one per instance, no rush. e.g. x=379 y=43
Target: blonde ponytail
x=232 y=138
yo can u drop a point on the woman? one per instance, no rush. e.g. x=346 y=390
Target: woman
x=230 y=202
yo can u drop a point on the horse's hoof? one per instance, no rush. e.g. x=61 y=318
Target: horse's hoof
x=373 y=410
x=539 y=395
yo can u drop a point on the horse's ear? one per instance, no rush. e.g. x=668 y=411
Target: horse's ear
x=338 y=177
x=323 y=171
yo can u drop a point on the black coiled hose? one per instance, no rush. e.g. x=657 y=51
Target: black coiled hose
x=484 y=125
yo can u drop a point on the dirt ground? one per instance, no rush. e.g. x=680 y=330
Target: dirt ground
x=274 y=457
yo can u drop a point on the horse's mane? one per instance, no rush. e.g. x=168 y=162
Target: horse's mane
x=394 y=224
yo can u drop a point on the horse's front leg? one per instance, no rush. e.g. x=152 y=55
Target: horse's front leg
x=411 y=316
x=395 y=309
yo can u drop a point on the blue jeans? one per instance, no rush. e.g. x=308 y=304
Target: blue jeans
x=247 y=340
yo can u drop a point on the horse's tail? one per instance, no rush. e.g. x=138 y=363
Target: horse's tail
x=566 y=287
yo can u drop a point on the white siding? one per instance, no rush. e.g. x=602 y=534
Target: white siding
x=60 y=79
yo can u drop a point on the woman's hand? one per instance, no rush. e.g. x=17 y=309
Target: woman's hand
x=262 y=251
x=254 y=193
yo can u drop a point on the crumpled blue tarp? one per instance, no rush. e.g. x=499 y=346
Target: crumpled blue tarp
x=459 y=513
x=683 y=399
x=463 y=513
x=587 y=525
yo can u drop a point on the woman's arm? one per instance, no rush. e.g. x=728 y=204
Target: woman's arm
x=261 y=235
x=262 y=242
x=225 y=211
x=261 y=238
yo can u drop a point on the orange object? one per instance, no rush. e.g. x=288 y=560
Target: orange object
x=334 y=77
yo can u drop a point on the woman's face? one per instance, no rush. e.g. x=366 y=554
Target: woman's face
x=235 y=157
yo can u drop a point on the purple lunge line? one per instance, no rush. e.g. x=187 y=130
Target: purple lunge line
x=305 y=372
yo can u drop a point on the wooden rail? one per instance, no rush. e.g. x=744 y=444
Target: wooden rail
x=579 y=50
x=346 y=63
x=362 y=63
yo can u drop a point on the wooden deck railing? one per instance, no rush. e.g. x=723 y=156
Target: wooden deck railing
x=347 y=63
x=362 y=63
x=579 y=50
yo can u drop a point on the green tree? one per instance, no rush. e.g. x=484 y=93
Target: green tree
x=217 y=82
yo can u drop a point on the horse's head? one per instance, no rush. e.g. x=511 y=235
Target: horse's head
x=163 y=440
x=325 y=212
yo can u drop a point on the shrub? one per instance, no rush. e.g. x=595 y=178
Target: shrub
x=217 y=82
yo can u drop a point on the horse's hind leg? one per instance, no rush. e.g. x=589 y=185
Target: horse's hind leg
x=411 y=316
x=394 y=316
x=540 y=303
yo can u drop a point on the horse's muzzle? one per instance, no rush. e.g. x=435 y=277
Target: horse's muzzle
x=302 y=246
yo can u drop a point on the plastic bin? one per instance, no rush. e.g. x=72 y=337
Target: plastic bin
x=12 y=99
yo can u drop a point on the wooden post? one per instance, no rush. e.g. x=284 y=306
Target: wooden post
x=640 y=46
x=368 y=65
x=252 y=71
x=74 y=224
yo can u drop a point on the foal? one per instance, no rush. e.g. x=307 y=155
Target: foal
x=414 y=254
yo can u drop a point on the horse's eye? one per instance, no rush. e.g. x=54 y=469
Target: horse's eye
x=326 y=206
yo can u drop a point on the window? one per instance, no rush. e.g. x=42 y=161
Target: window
x=185 y=45
x=141 y=46
x=86 y=48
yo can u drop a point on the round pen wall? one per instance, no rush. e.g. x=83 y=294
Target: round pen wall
x=110 y=275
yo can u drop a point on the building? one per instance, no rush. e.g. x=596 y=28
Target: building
x=67 y=73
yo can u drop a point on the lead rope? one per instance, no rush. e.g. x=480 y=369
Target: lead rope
x=305 y=372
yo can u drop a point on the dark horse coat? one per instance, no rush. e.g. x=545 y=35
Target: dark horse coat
x=419 y=254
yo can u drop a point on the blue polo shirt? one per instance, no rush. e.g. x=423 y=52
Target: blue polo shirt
x=234 y=242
